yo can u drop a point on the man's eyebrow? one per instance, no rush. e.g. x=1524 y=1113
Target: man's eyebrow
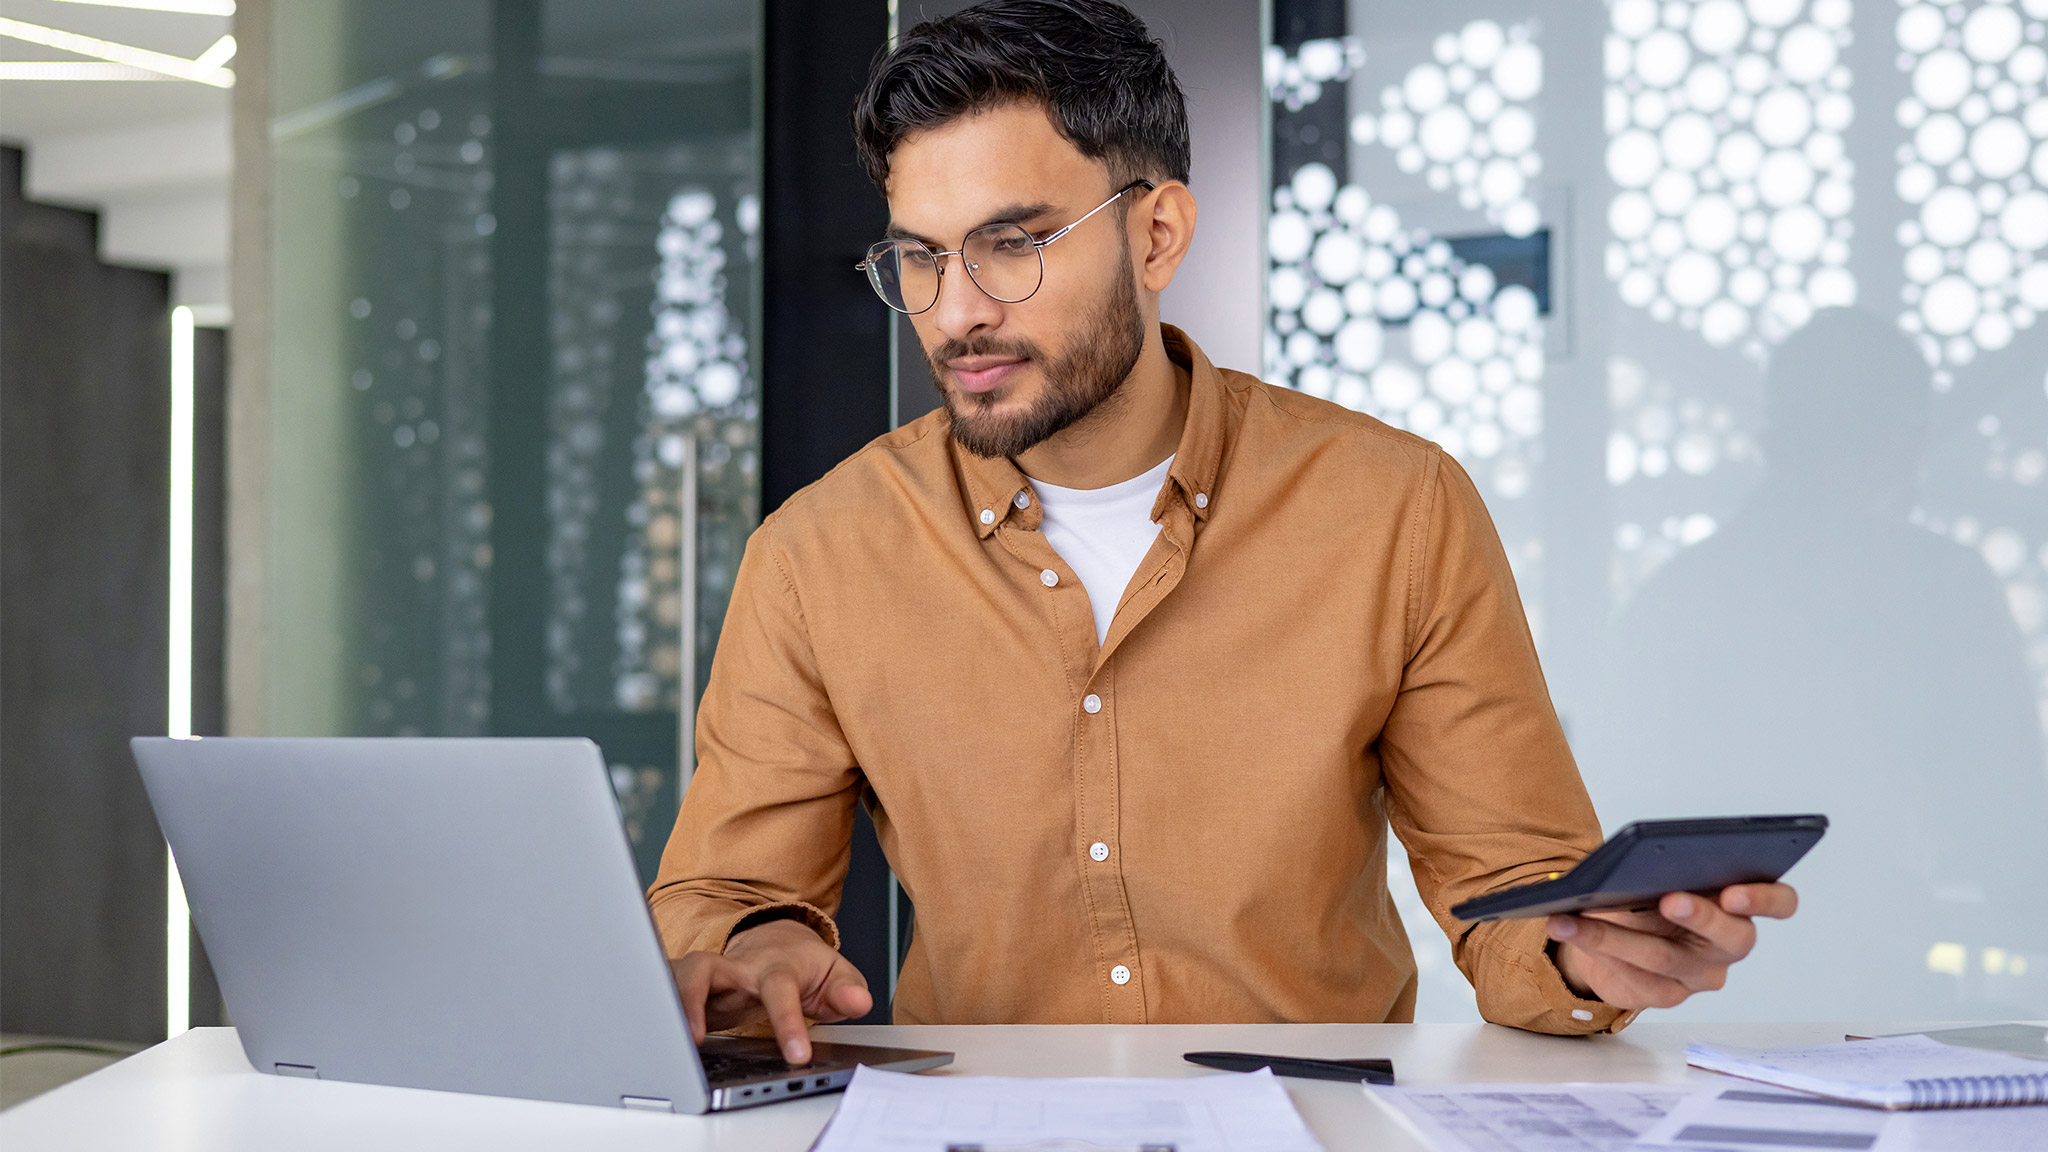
x=1007 y=214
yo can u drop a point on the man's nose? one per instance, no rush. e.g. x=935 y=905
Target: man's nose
x=963 y=307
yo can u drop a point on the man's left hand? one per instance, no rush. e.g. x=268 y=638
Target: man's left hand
x=1657 y=959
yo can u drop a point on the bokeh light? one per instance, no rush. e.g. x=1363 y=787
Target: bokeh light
x=1974 y=176
x=1725 y=123
x=1462 y=121
x=1384 y=318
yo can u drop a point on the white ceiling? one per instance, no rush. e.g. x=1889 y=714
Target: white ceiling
x=151 y=155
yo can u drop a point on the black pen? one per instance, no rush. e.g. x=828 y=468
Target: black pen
x=1369 y=1071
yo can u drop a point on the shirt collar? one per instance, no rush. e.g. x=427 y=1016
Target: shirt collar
x=993 y=486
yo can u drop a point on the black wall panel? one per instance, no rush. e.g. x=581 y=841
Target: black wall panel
x=84 y=562
x=825 y=351
x=84 y=600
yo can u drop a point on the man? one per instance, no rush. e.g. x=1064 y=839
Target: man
x=1132 y=660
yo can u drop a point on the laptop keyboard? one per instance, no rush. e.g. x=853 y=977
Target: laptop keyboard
x=740 y=1065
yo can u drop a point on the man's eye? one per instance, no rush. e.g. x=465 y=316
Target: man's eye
x=1013 y=245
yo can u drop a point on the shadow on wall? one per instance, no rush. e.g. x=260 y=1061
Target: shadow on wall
x=1823 y=654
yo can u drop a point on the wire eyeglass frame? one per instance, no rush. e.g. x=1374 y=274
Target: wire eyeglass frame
x=880 y=251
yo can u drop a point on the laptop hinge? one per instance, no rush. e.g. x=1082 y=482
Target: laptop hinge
x=646 y=1103
x=303 y=1071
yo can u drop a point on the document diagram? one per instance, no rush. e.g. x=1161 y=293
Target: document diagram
x=1532 y=1117
x=1231 y=1112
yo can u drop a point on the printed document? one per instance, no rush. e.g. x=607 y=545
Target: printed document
x=1531 y=1117
x=1759 y=1117
x=1231 y=1112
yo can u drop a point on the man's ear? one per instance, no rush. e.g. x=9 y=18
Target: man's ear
x=1160 y=235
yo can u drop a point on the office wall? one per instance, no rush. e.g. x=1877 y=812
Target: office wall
x=1214 y=48
x=84 y=584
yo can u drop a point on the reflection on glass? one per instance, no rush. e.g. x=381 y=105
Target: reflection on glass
x=653 y=253
x=465 y=541
x=1821 y=536
x=1822 y=652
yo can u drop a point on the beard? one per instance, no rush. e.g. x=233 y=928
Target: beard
x=1077 y=385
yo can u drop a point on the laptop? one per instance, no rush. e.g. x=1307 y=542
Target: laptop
x=454 y=914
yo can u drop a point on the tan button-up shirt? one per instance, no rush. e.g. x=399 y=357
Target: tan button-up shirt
x=1186 y=823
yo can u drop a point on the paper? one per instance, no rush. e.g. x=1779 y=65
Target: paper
x=1747 y=1118
x=1967 y=1130
x=1873 y=1071
x=1233 y=1112
x=1531 y=1117
x=1752 y=1117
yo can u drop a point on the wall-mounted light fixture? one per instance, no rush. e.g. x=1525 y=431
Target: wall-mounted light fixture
x=178 y=710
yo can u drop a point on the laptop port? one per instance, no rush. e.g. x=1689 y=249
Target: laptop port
x=822 y=1082
x=795 y=1086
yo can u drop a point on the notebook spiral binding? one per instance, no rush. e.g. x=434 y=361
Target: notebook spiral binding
x=1979 y=1091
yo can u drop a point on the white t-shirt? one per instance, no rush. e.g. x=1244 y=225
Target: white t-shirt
x=1102 y=534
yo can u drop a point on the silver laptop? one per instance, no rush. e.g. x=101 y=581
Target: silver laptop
x=452 y=914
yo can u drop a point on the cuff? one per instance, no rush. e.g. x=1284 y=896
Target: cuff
x=721 y=931
x=1522 y=947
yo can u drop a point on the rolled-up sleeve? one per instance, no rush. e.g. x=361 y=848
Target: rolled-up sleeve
x=767 y=821
x=1481 y=785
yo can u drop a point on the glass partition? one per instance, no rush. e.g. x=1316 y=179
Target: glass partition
x=1591 y=250
x=515 y=414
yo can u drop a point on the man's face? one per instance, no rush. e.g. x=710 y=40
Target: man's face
x=1015 y=374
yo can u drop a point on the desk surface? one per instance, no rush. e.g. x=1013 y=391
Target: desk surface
x=198 y=1091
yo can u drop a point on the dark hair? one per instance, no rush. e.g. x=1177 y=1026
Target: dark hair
x=1104 y=81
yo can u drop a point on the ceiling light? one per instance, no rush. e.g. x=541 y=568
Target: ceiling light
x=162 y=62
x=190 y=7
x=74 y=70
x=223 y=50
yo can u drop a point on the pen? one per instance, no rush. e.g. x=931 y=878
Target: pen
x=1369 y=1071
x=1062 y=1144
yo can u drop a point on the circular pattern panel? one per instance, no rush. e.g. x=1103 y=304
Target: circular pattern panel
x=1733 y=190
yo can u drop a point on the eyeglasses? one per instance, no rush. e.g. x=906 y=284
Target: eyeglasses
x=1003 y=260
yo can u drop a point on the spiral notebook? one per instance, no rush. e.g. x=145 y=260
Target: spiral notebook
x=1894 y=1072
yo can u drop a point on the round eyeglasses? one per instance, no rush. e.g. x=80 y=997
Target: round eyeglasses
x=1004 y=260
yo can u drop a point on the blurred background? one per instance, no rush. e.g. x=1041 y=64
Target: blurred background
x=382 y=368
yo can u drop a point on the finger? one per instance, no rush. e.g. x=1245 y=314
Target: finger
x=783 y=998
x=693 y=986
x=845 y=994
x=716 y=993
x=1655 y=954
x=1774 y=901
x=1648 y=921
x=1626 y=986
x=1725 y=937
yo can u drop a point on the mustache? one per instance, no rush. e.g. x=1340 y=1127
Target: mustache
x=955 y=349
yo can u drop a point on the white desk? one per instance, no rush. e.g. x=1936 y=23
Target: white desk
x=197 y=1093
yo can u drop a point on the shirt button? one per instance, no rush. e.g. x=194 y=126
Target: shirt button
x=1201 y=499
x=1091 y=704
x=1048 y=578
x=1098 y=851
x=1023 y=500
x=1120 y=975
x=988 y=515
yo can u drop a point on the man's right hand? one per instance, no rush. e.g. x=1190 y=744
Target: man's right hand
x=780 y=970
